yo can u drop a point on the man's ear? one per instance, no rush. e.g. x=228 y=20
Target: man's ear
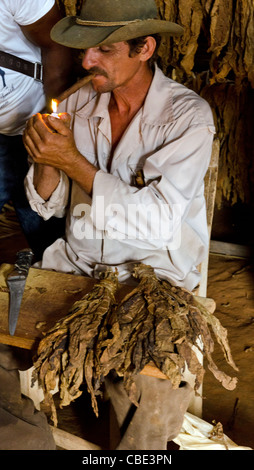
x=148 y=49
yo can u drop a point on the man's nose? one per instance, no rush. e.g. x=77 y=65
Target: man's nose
x=89 y=59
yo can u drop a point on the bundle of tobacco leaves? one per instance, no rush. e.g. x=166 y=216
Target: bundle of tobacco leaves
x=160 y=323
x=155 y=323
x=65 y=355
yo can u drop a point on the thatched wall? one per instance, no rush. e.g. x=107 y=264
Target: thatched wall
x=215 y=57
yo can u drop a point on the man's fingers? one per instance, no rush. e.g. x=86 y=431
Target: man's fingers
x=30 y=134
x=35 y=134
x=61 y=126
x=35 y=128
x=29 y=146
x=49 y=143
x=66 y=118
x=40 y=124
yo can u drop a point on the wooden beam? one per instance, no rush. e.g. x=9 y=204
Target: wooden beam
x=230 y=249
x=65 y=440
x=24 y=343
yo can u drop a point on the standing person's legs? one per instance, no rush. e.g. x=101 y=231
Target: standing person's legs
x=13 y=169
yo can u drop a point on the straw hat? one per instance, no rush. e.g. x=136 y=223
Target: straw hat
x=110 y=21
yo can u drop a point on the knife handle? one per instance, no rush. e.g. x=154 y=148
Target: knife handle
x=24 y=260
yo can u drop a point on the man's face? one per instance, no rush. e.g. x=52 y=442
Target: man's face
x=111 y=65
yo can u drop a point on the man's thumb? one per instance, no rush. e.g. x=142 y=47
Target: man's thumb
x=57 y=123
x=66 y=118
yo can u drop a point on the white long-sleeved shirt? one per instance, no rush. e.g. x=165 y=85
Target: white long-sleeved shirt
x=162 y=222
x=20 y=95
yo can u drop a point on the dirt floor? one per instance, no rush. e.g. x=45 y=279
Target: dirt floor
x=231 y=285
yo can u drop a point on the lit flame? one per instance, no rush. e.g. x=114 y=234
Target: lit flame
x=54 y=104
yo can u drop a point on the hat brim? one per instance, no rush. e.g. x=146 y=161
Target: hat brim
x=68 y=33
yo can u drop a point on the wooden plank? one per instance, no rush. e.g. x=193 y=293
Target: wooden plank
x=210 y=182
x=68 y=441
x=230 y=249
x=47 y=298
x=24 y=343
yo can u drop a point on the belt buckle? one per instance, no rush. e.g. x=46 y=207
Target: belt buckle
x=38 y=68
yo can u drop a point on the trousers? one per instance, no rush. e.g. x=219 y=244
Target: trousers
x=158 y=418
x=13 y=169
x=22 y=427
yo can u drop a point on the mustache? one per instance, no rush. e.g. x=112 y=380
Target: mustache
x=98 y=70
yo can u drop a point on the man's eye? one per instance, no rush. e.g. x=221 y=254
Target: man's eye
x=104 y=49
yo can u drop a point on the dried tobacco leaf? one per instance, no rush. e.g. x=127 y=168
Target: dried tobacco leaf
x=164 y=324
x=65 y=354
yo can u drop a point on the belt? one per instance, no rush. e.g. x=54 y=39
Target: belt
x=32 y=69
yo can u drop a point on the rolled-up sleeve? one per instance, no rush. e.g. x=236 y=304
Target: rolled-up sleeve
x=55 y=205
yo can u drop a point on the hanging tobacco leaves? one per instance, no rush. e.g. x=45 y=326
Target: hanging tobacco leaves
x=160 y=323
x=215 y=57
x=65 y=355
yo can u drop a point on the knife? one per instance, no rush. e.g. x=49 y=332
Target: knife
x=16 y=281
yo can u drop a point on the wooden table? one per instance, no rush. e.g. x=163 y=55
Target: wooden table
x=47 y=297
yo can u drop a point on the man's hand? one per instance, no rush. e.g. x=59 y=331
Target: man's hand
x=49 y=142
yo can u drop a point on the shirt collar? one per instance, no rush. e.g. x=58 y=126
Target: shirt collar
x=97 y=105
x=158 y=106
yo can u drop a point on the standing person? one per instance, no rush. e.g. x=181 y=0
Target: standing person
x=133 y=162
x=33 y=69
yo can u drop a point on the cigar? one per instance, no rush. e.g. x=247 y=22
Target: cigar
x=83 y=81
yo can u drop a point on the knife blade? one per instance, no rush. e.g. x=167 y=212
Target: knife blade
x=16 y=281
